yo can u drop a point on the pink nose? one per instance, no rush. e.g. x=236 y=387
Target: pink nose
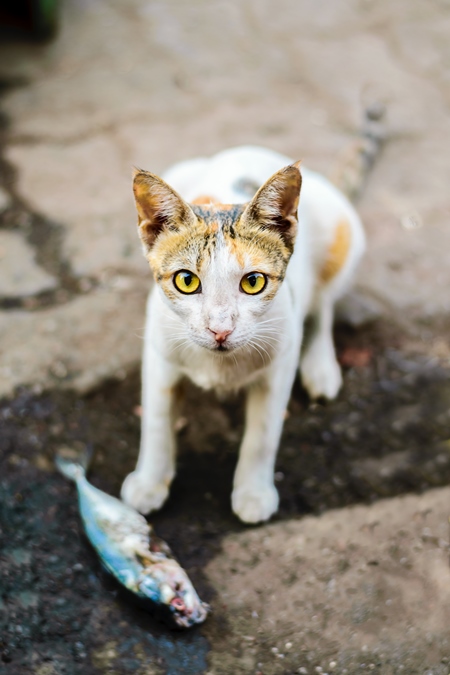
x=220 y=335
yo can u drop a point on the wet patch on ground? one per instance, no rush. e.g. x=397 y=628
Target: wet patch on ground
x=388 y=433
x=43 y=234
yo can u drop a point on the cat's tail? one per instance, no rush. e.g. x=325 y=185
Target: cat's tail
x=354 y=165
x=72 y=464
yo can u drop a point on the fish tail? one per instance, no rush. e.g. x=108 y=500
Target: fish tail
x=72 y=464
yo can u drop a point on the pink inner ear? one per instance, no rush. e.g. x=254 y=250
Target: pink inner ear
x=275 y=204
x=159 y=207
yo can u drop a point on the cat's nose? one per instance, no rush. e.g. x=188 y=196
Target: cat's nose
x=220 y=335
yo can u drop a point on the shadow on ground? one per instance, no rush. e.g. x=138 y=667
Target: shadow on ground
x=386 y=434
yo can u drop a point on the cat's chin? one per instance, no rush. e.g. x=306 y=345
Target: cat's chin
x=222 y=350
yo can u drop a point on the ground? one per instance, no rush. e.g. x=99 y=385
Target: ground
x=352 y=575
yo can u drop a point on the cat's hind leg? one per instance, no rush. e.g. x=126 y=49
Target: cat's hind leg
x=344 y=244
x=319 y=369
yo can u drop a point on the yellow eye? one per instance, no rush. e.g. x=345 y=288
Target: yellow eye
x=253 y=283
x=187 y=282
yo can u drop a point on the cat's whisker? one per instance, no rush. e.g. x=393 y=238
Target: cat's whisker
x=272 y=320
x=261 y=346
x=269 y=338
x=178 y=336
x=140 y=333
x=268 y=331
x=256 y=347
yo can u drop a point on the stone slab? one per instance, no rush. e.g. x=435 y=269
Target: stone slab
x=19 y=273
x=79 y=344
x=363 y=585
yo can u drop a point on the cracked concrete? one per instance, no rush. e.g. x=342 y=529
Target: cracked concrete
x=20 y=274
x=148 y=84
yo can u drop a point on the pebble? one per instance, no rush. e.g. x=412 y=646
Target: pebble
x=59 y=370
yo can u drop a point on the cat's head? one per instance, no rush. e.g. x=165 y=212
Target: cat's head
x=219 y=266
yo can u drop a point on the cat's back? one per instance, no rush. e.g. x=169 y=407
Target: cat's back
x=229 y=177
x=326 y=216
x=233 y=176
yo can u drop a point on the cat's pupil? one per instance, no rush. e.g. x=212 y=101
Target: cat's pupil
x=252 y=279
x=187 y=279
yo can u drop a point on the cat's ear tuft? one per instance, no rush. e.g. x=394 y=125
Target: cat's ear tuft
x=159 y=207
x=275 y=204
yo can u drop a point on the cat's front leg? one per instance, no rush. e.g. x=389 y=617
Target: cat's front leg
x=147 y=487
x=255 y=497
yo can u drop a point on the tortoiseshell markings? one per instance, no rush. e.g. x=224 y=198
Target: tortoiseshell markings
x=192 y=245
x=204 y=199
x=338 y=251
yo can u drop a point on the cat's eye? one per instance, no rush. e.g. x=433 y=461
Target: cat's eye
x=187 y=282
x=253 y=283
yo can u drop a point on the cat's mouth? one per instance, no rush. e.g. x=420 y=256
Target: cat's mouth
x=222 y=349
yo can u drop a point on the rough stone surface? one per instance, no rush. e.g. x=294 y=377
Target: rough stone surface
x=77 y=344
x=365 y=585
x=18 y=270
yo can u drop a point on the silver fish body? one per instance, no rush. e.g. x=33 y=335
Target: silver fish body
x=130 y=551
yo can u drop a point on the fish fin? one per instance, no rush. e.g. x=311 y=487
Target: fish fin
x=147 y=558
x=157 y=545
x=71 y=463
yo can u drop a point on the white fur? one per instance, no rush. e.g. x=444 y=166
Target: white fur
x=266 y=341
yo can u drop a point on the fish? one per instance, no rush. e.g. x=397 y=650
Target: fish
x=131 y=552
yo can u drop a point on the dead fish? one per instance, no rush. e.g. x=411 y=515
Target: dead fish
x=132 y=553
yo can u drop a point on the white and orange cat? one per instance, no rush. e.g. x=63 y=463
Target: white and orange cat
x=236 y=275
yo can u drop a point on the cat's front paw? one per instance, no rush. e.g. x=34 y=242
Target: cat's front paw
x=254 y=503
x=143 y=495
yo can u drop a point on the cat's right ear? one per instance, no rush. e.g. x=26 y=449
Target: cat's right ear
x=159 y=207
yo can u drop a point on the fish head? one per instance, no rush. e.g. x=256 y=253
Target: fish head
x=167 y=584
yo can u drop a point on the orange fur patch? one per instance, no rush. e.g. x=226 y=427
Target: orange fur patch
x=204 y=199
x=338 y=251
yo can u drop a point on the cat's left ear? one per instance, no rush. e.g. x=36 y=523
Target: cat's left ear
x=275 y=204
x=159 y=207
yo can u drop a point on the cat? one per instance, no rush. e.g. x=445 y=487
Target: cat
x=239 y=264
